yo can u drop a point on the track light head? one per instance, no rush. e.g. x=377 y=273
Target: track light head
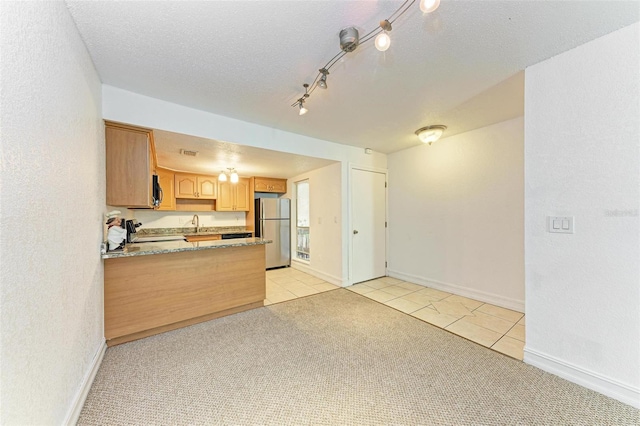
x=428 y=6
x=303 y=110
x=383 y=41
x=322 y=83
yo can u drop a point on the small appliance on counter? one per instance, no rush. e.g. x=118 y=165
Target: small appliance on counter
x=131 y=226
x=116 y=231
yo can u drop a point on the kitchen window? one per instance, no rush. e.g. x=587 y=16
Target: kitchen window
x=303 y=251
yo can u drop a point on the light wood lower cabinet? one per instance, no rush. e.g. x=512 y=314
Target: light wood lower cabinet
x=146 y=295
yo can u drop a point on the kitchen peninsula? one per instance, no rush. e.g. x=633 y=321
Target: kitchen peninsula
x=150 y=288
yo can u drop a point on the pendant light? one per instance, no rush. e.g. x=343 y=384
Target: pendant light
x=222 y=177
x=234 y=176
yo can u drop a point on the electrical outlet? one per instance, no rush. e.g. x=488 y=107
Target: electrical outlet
x=560 y=224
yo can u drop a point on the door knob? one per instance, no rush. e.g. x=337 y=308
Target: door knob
x=355 y=232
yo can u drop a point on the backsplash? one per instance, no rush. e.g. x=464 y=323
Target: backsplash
x=191 y=230
x=171 y=219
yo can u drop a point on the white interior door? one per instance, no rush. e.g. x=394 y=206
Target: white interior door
x=368 y=217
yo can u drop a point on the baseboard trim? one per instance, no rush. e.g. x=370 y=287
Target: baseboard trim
x=583 y=377
x=494 y=299
x=318 y=274
x=78 y=402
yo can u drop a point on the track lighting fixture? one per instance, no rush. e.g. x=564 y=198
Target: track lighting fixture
x=350 y=40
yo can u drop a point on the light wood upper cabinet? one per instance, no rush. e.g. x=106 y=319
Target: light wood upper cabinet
x=233 y=197
x=167 y=183
x=130 y=162
x=262 y=184
x=195 y=186
x=186 y=185
x=242 y=195
x=207 y=187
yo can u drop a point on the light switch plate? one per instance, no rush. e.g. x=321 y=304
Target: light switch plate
x=560 y=224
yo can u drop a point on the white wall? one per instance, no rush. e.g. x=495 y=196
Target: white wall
x=325 y=223
x=456 y=214
x=582 y=159
x=53 y=195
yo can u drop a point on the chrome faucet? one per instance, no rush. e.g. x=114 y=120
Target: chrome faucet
x=196 y=221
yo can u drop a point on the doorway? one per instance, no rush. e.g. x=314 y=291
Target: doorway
x=368 y=224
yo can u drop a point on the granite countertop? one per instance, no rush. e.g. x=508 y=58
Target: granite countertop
x=212 y=230
x=144 y=249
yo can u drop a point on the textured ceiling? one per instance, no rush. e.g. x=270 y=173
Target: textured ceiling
x=215 y=156
x=248 y=59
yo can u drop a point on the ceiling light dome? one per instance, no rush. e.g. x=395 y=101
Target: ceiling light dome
x=430 y=134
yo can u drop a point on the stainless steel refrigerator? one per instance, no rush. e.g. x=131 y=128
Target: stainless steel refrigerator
x=273 y=222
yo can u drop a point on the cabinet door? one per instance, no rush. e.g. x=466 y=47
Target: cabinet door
x=279 y=185
x=261 y=185
x=128 y=167
x=207 y=187
x=242 y=195
x=167 y=183
x=226 y=197
x=270 y=185
x=186 y=186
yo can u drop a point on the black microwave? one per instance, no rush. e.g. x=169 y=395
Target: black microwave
x=157 y=192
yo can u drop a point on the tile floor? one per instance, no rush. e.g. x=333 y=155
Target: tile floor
x=288 y=283
x=492 y=326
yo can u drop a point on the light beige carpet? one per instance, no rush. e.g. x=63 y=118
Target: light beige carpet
x=335 y=358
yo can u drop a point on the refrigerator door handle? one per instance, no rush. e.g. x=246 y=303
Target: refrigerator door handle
x=262 y=229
